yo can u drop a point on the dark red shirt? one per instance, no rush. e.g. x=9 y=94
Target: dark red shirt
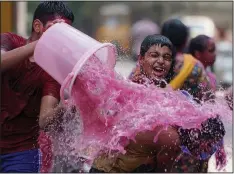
x=22 y=88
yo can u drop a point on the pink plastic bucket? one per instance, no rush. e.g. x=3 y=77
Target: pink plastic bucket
x=62 y=51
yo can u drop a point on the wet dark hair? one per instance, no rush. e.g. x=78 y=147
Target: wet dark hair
x=49 y=9
x=198 y=43
x=211 y=129
x=158 y=39
x=176 y=31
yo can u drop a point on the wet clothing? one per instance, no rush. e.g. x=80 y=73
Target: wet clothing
x=22 y=88
x=144 y=155
x=198 y=81
x=27 y=161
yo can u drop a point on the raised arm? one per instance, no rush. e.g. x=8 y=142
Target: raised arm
x=50 y=100
x=13 y=52
x=49 y=111
x=11 y=58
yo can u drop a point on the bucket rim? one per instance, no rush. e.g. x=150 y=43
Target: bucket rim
x=70 y=79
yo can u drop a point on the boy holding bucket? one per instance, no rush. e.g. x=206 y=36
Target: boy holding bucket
x=27 y=91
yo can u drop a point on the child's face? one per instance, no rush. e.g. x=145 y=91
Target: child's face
x=157 y=62
x=209 y=54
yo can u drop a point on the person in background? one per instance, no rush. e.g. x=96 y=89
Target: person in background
x=139 y=31
x=28 y=94
x=203 y=49
x=190 y=74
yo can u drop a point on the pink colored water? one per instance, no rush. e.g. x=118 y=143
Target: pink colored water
x=112 y=110
x=46 y=151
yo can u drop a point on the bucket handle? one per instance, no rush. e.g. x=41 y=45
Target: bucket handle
x=72 y=76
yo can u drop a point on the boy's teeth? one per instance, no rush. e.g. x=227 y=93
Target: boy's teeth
x=159 y=69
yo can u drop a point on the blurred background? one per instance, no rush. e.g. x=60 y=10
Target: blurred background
x=120 y=23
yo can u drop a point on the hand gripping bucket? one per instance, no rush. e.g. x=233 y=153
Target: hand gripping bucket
x=63 y=50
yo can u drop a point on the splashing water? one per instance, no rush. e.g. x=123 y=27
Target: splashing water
x=112 y=110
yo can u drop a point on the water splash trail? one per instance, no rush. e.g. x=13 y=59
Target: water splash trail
x=112 y=110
